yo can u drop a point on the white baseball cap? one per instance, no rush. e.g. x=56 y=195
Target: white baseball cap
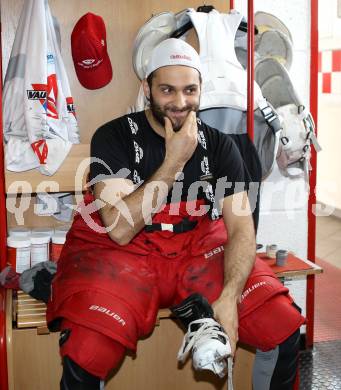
x=173 y=51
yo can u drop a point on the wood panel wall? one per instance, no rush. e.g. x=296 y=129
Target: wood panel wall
x=122 y=18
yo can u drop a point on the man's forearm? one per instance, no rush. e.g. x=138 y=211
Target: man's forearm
x=141 y=204
x=239 y=258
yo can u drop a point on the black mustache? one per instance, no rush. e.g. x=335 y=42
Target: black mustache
x=180 y=110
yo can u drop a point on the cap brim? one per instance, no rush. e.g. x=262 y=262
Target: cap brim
x=95 y=78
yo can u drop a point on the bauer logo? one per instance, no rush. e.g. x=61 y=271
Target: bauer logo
x=250 y=289
x=214 y=251
x=109 y=313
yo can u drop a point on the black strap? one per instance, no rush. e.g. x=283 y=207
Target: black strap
x=184 y=226
x=270 y=116
x=182 y=30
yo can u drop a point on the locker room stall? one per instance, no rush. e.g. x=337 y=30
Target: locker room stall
x=32 y=359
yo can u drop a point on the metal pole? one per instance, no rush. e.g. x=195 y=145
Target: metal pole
x=312 y=178
x=3 y=249
x=250 y=69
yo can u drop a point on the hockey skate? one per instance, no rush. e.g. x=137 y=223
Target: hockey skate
x=205 y=337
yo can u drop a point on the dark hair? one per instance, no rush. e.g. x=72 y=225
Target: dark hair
x=149 y=80
x=151 y=76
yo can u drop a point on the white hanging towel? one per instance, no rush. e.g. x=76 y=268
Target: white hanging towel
x=40 y=125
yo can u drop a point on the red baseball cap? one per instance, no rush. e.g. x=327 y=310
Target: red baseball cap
x=89 y=52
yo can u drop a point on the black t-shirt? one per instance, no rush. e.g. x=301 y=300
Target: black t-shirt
x=129 y=147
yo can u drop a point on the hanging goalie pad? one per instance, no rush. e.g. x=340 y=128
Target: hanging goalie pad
x=266 y=21
x=298 y=127
x=269 y=43
x=155 y=30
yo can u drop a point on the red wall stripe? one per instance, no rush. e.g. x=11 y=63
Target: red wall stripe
x=326 y=82
x=336 y=61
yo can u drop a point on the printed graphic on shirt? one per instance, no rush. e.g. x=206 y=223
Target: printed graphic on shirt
x=138 y=152
x=47 y=94
x=41 y=150
x=37 y=93
x=201 y=139
x=52 y=95
x=204 y=166
x=52 y=88
x=133 y=126
x=136 y=177
x=209 y=193
x=70 y=106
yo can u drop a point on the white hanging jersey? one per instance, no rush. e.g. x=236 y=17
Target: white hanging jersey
x=224 y=78
x=39 y=119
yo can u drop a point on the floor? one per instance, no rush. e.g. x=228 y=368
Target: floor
x=327 y=319
x=328 y=239
x=320 y=369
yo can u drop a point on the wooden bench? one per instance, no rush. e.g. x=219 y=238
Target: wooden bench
x=34 y=362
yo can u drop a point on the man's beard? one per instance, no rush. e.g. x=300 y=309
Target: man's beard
x=159 y=112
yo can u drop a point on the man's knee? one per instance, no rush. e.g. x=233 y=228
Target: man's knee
x=89 y=350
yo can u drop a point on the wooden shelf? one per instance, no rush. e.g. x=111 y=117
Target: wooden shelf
x=62 y=180
x=29 y=313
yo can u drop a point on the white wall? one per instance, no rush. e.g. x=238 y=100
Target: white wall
x=283 y=215
x=329 y=25
x=329 y=160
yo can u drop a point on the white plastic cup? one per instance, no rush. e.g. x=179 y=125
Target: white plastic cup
x=19 y=232
x=19 y=253
x=39 y=248
x=43 y=230
x=271 y=251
